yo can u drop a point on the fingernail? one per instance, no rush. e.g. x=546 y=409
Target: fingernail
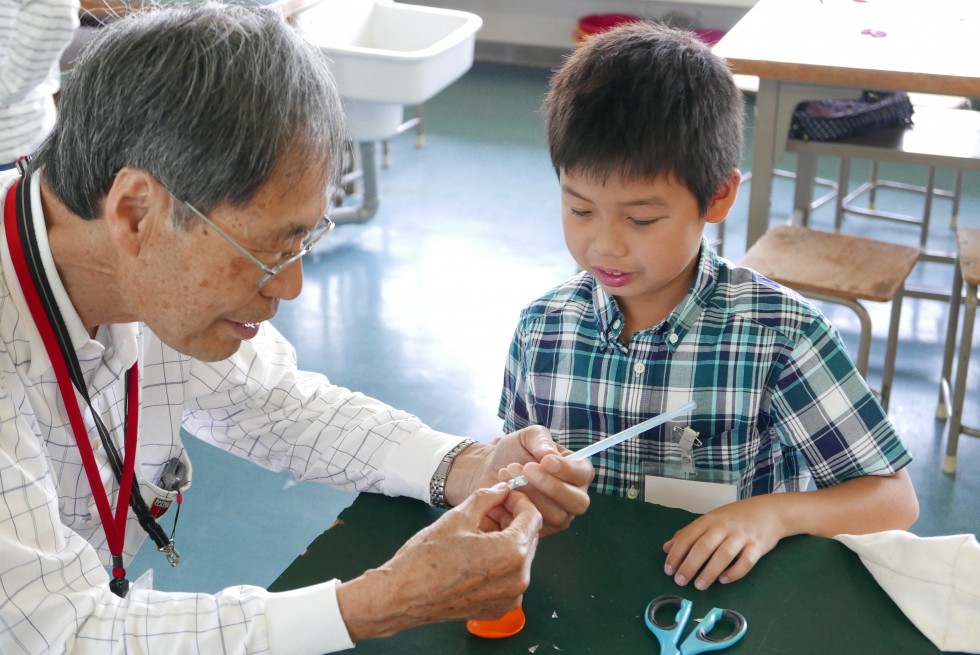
x=700 y=585
x=724 y=579
x=668 y=569
x=680 y=579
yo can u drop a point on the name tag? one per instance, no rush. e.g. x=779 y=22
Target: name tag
x=695 y=490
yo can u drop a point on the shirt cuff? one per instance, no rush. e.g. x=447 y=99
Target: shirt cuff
x=306 y=621
x=410 y=466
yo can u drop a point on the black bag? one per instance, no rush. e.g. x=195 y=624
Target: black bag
x=829 y=120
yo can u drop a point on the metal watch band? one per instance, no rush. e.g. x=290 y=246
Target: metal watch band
x=437 y=485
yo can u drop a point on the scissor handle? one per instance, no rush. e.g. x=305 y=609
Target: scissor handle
x=701 y=641
x=668 y=634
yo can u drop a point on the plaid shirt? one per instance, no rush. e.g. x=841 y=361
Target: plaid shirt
x=779 y=401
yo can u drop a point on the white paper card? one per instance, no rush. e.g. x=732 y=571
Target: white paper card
x=692 y=495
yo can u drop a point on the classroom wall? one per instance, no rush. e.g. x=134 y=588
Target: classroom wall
x=541 y=25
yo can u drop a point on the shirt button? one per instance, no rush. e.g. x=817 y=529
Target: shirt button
x=616 y=324
x=639 y=367
x=673 y=337
x=632 y=493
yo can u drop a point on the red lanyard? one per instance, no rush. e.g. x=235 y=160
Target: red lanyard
x=114 y=526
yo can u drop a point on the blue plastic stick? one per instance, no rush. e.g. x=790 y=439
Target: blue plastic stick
x=619 y=437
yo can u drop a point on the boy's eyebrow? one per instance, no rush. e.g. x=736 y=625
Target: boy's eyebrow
x=637 y=202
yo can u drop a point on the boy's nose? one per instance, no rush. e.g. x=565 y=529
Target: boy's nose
x=610 y=241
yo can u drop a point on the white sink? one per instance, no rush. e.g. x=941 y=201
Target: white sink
x=385 y=55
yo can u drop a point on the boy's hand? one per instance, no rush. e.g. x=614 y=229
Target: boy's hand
x=556 y=486
x=724 y=544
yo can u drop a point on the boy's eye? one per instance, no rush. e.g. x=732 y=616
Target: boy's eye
x=642 y=222
x=578 y=212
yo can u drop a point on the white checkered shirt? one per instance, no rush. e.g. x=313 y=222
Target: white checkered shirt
x=54 y=594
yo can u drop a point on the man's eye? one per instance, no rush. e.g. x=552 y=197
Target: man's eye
x=287 y=254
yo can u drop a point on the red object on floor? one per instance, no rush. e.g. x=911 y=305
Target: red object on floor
x=595 y=23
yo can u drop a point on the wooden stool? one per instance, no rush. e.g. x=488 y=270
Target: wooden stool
x=967 y=270
x=841 y=269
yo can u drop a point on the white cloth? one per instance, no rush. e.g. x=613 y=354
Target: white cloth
x=935 y=581
x=55 y=595
x=33 y=33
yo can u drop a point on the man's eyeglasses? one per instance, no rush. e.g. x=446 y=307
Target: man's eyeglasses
x=322 y=229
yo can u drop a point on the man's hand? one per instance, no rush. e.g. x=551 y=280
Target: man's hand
x=557 y=487
x=465 y=565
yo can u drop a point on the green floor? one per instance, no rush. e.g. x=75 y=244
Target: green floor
x=416 y=307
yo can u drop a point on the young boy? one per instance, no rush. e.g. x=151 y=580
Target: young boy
x=644 y=128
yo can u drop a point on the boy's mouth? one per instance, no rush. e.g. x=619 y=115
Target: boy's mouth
x=612 y=278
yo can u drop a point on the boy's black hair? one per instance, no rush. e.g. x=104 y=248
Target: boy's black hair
x=644 y=99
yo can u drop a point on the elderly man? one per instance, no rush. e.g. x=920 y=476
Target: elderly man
x=143 y=251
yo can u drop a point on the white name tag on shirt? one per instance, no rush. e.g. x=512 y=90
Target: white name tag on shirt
x=699 y=492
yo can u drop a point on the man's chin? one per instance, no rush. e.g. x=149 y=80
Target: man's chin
x=212 y=351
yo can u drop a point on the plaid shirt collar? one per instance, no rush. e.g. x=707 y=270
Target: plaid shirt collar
x=681 y=319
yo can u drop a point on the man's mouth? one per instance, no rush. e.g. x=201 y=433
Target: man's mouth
x=245 y=330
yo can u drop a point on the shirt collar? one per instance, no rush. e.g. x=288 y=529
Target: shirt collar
x=122 y=336
x=680 y=320
x=687 y=313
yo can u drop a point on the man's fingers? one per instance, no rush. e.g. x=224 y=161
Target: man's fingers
x=525 y=517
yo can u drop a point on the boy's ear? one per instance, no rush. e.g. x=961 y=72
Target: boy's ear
x=724 y=198
x=134 y=196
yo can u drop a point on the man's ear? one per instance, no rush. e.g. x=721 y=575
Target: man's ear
x=134 y=197
x=724 y=198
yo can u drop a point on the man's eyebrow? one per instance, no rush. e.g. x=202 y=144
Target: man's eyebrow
x=293 y=231
x=296 y=230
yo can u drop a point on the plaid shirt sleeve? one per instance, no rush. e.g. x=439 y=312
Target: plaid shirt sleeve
x=513 y=408
x=823 y=408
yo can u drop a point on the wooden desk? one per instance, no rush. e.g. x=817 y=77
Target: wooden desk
x=810 y=50
x=591 y=584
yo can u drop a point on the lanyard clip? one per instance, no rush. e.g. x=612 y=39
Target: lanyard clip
x=119 y=585
x=24 y=164
x=173 y=557
x=687 y=440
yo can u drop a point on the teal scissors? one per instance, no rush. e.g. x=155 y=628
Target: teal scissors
x=699 y=641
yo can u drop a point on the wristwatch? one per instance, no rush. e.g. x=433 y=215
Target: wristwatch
x=437 y=485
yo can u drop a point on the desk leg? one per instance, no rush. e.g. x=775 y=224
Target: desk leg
x=806 y=175
x=763 y=160
x=774 y=107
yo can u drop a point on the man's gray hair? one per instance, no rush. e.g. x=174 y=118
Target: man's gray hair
x=206 y=98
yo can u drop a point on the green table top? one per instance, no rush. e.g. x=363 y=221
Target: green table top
x=591 y=584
